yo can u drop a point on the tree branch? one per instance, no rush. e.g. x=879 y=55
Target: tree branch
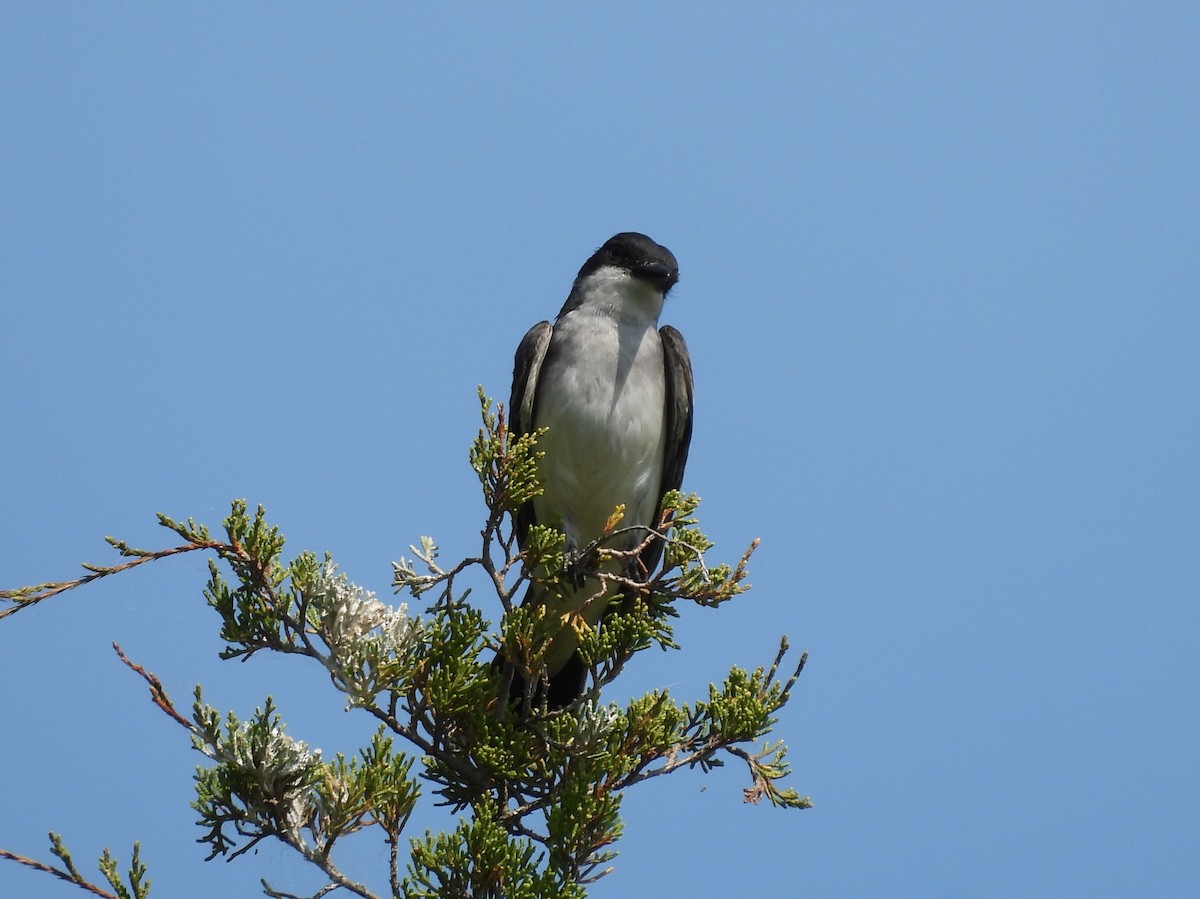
x=75 y=878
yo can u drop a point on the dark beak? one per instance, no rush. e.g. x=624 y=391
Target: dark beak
x=656 y=273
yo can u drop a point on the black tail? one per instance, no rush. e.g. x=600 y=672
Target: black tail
x=564 y=687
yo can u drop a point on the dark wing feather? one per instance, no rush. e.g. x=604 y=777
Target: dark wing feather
x=678 y=421
x=522 y=403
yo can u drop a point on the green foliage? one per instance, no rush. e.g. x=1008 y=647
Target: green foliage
x=481 y=859
x=505 y=463
x=539 y=790
x=135 y=884
x=261 y=784
x=255 y=614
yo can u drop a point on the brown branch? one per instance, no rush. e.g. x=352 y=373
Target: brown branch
x=331 y=871
x=761 y=787
x=24 y=597
x=157 y=693
x=75 y=878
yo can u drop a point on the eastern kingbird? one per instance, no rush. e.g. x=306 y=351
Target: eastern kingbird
x=615 y=393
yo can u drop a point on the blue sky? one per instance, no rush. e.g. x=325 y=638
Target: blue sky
x=940 y=283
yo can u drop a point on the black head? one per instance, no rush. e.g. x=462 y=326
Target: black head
x=638 y=255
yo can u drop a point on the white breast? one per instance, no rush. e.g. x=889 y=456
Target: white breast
x=602 y=394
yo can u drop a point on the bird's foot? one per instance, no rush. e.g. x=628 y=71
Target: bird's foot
x=635 y=571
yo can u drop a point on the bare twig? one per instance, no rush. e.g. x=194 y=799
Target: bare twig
x=279 y=894
x=24 y=597
x=70 y=877
x=157 y=693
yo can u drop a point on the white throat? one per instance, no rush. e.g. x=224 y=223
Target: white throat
x=614 y=292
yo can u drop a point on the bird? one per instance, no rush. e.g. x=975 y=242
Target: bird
x=614 y=392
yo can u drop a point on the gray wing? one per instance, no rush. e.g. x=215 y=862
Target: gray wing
x=678 y=421
x=522 y=403
x=680 y=393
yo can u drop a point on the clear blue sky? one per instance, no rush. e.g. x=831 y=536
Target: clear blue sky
x=942 y=292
